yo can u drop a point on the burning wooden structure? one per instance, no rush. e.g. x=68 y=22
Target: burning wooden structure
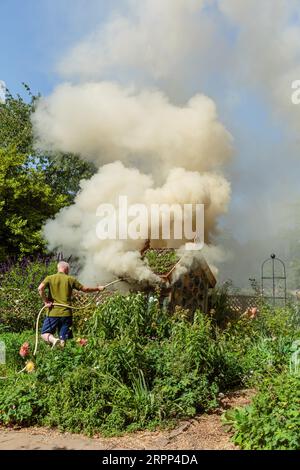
x=184 y=284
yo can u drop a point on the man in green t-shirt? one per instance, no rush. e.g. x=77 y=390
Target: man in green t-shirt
x=60 y=287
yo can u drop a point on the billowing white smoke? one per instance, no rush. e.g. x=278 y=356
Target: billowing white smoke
x=104 y=122
x=74 y=228
x=145 y=147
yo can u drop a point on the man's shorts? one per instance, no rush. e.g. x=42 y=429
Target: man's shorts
x=62 y=324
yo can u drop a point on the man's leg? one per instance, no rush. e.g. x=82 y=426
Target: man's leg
x=65 y=330
x=49 y=338
x=49 y=327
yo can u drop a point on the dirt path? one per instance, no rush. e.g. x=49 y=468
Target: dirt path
x=203 y=432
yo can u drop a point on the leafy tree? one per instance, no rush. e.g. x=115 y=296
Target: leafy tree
x=15 y=124
x=63 y=172
x=26 y=202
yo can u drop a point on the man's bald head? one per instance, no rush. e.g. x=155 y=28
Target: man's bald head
x=63 y=267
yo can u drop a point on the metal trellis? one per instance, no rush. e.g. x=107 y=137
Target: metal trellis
x=276 y=278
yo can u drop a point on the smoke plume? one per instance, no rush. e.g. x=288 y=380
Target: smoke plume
x=104 y=122
x=145 y=147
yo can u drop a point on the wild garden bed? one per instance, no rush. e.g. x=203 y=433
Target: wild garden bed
x=141 y=367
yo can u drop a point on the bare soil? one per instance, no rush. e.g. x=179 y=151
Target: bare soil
x=204 y=432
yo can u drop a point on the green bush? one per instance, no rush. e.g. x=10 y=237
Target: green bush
x=272 y=421
x=19 y=298
x=262 y=345
x=21 y=401
x=85 y=400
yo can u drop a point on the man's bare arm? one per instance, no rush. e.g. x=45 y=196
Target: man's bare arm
x=41 y=290
x=92 y=289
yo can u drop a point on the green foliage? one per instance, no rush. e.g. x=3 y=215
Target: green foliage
x=21 y=401
x=130 y=316
x=161 y=261
x=19 y=297
x=280 y=322
x=272 y=421
x=262 y=348
x=63 y=172
x=261 y=345
x=15 y=124
x=26 y=202
x=220 y=310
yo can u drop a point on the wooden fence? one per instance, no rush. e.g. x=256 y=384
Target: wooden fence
x=240 y=303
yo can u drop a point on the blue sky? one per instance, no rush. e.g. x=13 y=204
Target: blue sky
x=35 y=33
